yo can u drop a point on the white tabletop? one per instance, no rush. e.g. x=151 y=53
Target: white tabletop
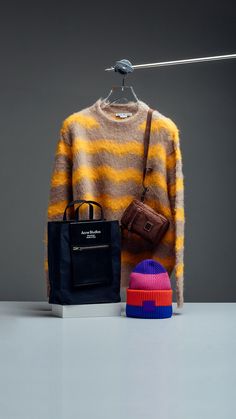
x=110 y=368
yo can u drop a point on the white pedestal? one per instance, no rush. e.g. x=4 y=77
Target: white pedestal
x=88 y=310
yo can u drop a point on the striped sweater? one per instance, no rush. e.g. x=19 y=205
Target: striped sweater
x=99 y=156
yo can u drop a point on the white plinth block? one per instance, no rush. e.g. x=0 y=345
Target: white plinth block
x=87 y=310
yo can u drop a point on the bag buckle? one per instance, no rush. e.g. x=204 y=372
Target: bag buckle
x=148 y=226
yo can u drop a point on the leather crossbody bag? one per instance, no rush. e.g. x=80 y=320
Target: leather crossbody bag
x=138 y=217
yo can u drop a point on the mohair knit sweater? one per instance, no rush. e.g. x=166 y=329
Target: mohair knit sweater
x=99 y=156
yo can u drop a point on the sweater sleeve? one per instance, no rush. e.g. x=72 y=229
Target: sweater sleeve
x=60 y=191
x=176 y=195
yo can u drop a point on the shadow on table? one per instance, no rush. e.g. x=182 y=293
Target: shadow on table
x=26 y=309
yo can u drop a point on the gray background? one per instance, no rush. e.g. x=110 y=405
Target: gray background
x=53 y=56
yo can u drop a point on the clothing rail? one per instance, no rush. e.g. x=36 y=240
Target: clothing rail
x=177 y=62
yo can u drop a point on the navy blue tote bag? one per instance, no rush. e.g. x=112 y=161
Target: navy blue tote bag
x=84 y=258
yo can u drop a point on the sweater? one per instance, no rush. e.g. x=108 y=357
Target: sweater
x=99 y=156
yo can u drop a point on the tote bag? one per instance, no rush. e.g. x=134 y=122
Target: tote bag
x=84 y=258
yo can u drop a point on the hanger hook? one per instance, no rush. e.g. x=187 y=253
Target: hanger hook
x=123 y=81
x=123 y=67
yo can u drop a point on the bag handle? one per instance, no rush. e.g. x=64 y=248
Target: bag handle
x=146 y=146
x=89 y=203
x=77 y=201
x=90 y=212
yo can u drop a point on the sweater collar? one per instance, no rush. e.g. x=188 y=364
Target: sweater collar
x=138 y=109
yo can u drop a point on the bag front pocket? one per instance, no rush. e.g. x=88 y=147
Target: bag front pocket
x=91 y=265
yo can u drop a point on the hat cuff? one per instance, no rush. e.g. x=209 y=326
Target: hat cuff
x=158 y=312
x=158 y=297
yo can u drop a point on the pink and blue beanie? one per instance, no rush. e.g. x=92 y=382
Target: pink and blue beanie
x=149 y=294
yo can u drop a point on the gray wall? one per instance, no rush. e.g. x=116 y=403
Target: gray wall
x=53 y=56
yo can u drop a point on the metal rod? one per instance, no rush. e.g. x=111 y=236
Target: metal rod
x=188 y=61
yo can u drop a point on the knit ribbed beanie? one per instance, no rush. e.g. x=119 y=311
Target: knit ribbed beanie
x=149 y=294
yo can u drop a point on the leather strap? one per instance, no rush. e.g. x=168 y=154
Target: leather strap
x=146 y=140
x=146 y=146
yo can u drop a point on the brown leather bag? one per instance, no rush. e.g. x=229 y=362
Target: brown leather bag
x=138 y=217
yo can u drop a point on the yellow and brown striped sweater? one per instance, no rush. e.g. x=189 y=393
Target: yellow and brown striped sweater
x=99 y=156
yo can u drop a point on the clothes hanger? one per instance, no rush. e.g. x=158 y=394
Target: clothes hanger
x=124 y=67
x=121 y=94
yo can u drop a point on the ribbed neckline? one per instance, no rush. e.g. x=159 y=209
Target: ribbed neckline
x=142 y=109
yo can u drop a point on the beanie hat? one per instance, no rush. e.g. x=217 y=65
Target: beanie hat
x=149 y=294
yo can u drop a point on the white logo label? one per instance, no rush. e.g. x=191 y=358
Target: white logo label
x=124 y=114
x=91 y=234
